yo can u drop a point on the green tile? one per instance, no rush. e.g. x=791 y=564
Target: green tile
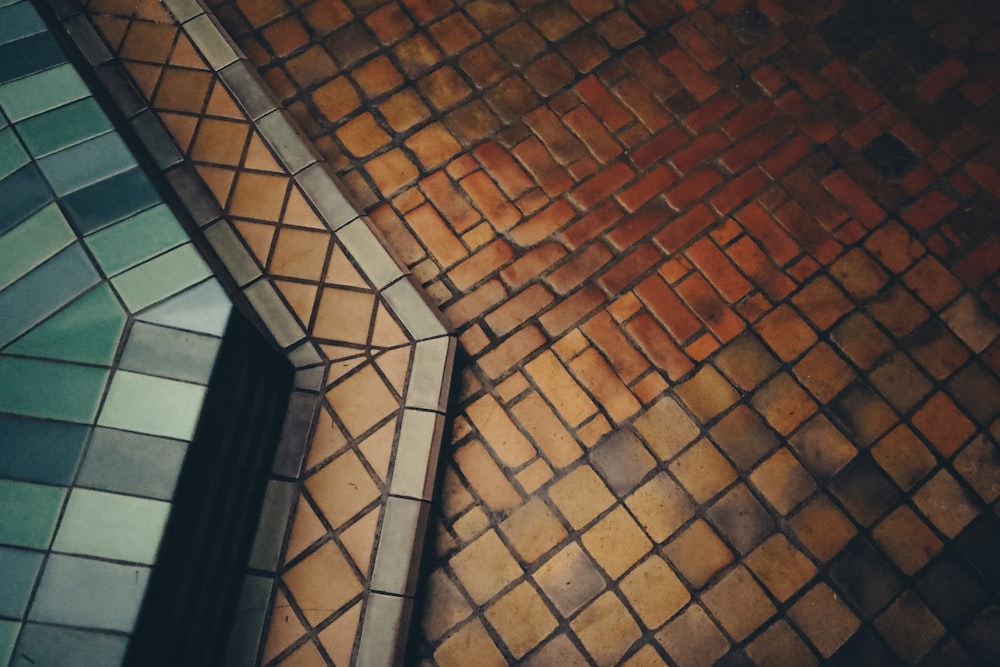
x=152 y=405
x=19 y=20
x=40 y=450
x=84 y=164
x=32 y=242
x=29 y=55
x=51 y=645
x=41 y=92
x=110 y=200
x=180 y=355
x=64 y=126
x=204 y=308
x=8 y=633
x=86 y=331
x=30 y=512
x=36 y=394
x=125 y=462
x=110 y=525
x=161 y=277
x=12 y=154
x=24 y=192
x=136 y=239
x=20 y=570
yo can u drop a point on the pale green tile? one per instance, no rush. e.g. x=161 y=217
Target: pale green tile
x=110 y=525
x=32 y=242
x=8 y=633
x=205 y=308
x=41 y=92
x=12 y=153
x=161 y=277
x=136 y=239
x=56 y=129
x=30 y=512
x=53 y=390
x=156 y=406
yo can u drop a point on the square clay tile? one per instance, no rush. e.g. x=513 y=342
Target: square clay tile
x=533 y=530
x=746 y=362
x=569 y=579
x=558 y=651
x=897 y=311
x=483 y=65
x=900 y=381
x=783 y=403
x=698 y=553
x=322 y=583
x=741 y=519
x=977 y=391
x=943 y=424
x=902 y=455
x=822 y=447
x=782 y=568
x=335 y=99
x=446 y=606
x=946 y=503
x=738 y=603
x=342 y=488
x=444 y=88
x=866 y=578
x=622 y=461
x=521 y=619
x=555 y=21
x=823 y=372
x=861 y=339
x=485 y=567
x=822 y=528
x=661 y=506
x=907 y=540
x=520 y=43
x=909 y=627
x=454 y=33
x=616 y=542
x=825 y=620
x=865 y=491
x=936 y=349
x=580 y=496
x=778 y=646
x=932 y=283
x=979 y=466
x=783 y=481
x=300 y=253
x=362 y=400
x=654 y=591
x=862 y=414
x=951 y=589
x=822 y=302
x=331 y=323
x=692 y=639
x=744 y=437
x=666 y=428
x=219 y=142
x=703 y=471
x=786 y=332
x=259 y=196
x=471 y=639
x=606 y=629
x=647 y=656
x=707 y=393
x=859 y=274
x=971 y=321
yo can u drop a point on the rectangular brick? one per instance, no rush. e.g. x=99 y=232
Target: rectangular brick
x=483 y=263
x=545 y=428
x=805 y=229
x=713 y=311
x=806 y=189
x=749 y=119
x=641 y=102
x=652 y=75
x=795 y=106
x=518 y=309
x=696 y=45
x=475 y=303
x=693 y=188
x=499 y=432
x=663 y=302
x=437 y=236
x=787 y=156
x=533 y=264
x=760 y=225
x=689 y=74
x=719 y=270
x=748 y=151
x=646 y=188
x=738 y=190
x=602 y=185
x=543 y=224
x=627 y=270
x=862 y=207
x=580 y=266
x=929 y=210
x=698 y=152
x=571 y=310
x=553 y=178
x=559 y=388
x=565 y=147
x=658 y=346
x=447 y=198
x=941 y=78
x=503 y=169
x=605 y=333
x=639 y=225
x=485 y=477
x=712 y=111
x=678 y=232
x=496 y=207
x=802 y=69
x=864 y=96
x=755 y=264
x=979 y=264
x=660 y=146
x=593 y=134
x=591 y=225
x=607 y=108
x=511 y=351
x=595 y=374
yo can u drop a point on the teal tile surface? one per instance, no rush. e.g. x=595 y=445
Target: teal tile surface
x=45 y=290
x=65 y=126
x=8 y=635
x=181 y=355
x=20 y=569
x=39 y=450
x=204 y=308
x=87 y=331
x=12 y=153
x=80 y=389
x=109 y=201
x=30 y=513
x=111 y=525
x=41 y=92
x=134 y=463
x=152 y=405
x=32 y=242
x=50 y=645
x=29 y=55
x=136 y=239
x=19 y=20
x=89 y=593
x=161 y=277
x=86 y=163
x=22 y=193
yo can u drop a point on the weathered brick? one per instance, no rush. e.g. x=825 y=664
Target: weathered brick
x=571 y=310
x=581 y=266
x=518 y=309
x=543 y=224
x=533 y=264
x=602 y=185
x=659 y=347
x=663 y=302
x=595 y=374
x=481 y=264
x=547 y=173
x=608 y=337
x=713 y=311
x=718 y=269
x=497 y=362
x=627 y=270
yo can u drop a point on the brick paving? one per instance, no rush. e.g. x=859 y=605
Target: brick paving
x=725 y=276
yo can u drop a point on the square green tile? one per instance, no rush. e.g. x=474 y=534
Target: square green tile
x=40 y=450
x=180 y=355
x=64 y=126
x=133 y=463
x=152 y=405
x=8 y=634
x=41 y=92
x=20 y=570
x=110 y=525
x=86 y=163
x=51 y=645
x=32 y=242
x=133 y=240
x=53 y=390
x=30 y=513
x=161 y=277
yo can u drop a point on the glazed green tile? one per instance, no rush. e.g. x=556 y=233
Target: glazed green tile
x=32 y=242
x=41 y=92
x=8 y=636
x=161 y=277
x=39 y=450
x=52 y=645
x=20 y=569
x=136 y=239
x=89 y=593
x=180 y=355
x=44 y=291
x=111 y=525
x=29 y=55
x=126 y=462
x=152 y=405
x=12 y=154
x=86 y=163
x=30 y=512
x=24 y=192
x=109 y=201
x=36 y=394
x=65 y=126
x=19 y=20
x=204 y=308
x=86 y=331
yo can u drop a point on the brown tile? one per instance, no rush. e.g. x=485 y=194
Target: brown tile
x=666 y=428
x=825 y=620
x=485 y=567
x=783 y=403
x=654 y=591
x=446 y=606
x=472 y=121
x=707 y=393
x=949 y=507
x=895 y=247
x=741 y=519
x=823 y=528
x=310 y=67
x=778 y=646
x=936 y=349
x=342 y=488
x=286 y=35
x=580 y=496
x=943 y=424
x=970 y=320
x=698 y=553
x=485 y=477
x=512 y=98
x=864 y=490
x=616 y=542
x=660 y=506
x=444 y=88
x=606 y=629
x=823 y=372
x=786 y=333
x=533 y=530
x=692 y=639
x=859 y=274
x=622 y=461
x=302 y=254
x=258 y=196
x=901 y=454
x=744 y=437
x=391 y=171
x=520 y=43
x=738 y=603
x=558 y=651
x=979 y=466
x=861 y=340
x=900 y=381
x=703 y=471
x=362 y=135
x=896 y=310
x=433 y=145
x=822 y=447
x=555 y=21
x=454 y=33
x=909 y=627
x=521 y=619
x=483 y=65
x=569 y=579
x=907 y=540
x=783 y=481
x=647 y=656
x=746 y=362
x=822 y=302
x=335 y=99
x=471 y=639
x=932 y=283
x=322 y=583
x=977 y=391
x=404 y=110
x=782 y=567
x=377 y=76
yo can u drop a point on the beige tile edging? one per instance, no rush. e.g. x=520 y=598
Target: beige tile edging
x=389 y=604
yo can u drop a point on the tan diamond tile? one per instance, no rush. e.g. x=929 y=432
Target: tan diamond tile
x=783 y=481
x=900 y=381
x=692 y=639
x=322 y=583
x=645 y=657
x=861 y=340
x=654 y=591
x=786 y=333
x=738 y=603
x=338 y=637
x=946 y=504
x=283 y=630
x=822 y=447
x=971 y=321
x=471 y=640
x=909 y=627
x=744 y=437
x=780 y=646
x=707 y=393
x=703 y=471
x=823 y=372
x=558 y=651
x=783 y=403
x=521 y=619
x=746 y=362
x=446 y=606
x=824 y=619
x=362 y=400
x=342 y=488
x=666 y=428
x=941 y=422
x=698 y=553
x=616 y=542
x=783 y=568
x=485 y=567
x=859 y=274
x=660 y=506
x=823 y=528
x=533 y=530
x=822 y=302
x=897 y=311
x=580 y=496
x=901 y=454
x=606 y=629
x=907 y=540
x=741 y=519
x=569 y=579
x=330 y=321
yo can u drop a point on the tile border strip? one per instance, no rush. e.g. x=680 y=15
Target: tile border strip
x=400 y=541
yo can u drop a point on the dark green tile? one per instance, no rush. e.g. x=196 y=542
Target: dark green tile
x=41 y=92
x=19 y=20
x=30 y=513
x=29 y=55
x=80 y=389
x=127 y=462
x=63 y=126
x=20 y=569
x=48 y=645
x=8 y=635
x=32 y=242
x=12 y=153
x=109 y=201
x=40 y=451
x=170 y=353
x=87 y=163
x=136 y=239
x=22 y=193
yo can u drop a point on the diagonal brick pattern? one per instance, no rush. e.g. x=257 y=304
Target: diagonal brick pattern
x=726 y=276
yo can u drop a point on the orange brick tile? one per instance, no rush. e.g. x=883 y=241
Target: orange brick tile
x=561 y=390
x=602 y=381
x=481 y=264
x=391 y=171
x=499 y=432
x=511 y=351
x=487 y=480
x=519 y=309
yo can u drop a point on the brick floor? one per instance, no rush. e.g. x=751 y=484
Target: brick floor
x=726 y=278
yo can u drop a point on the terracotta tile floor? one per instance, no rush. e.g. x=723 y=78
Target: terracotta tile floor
x=726 y=281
